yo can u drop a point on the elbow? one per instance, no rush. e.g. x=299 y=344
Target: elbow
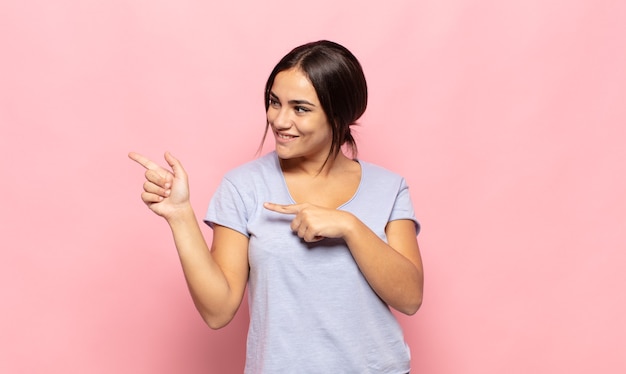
x=215 y=325
x=412 y=306
x=215 y=318
x=414 y=302
x=216 y=322
x=410 y=310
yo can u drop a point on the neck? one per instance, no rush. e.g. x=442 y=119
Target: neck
x=316 y=167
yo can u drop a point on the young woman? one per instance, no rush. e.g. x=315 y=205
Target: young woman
x=325 y=242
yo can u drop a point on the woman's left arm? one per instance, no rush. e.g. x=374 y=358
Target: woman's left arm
x=393 y=269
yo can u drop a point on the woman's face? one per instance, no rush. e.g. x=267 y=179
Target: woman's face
x=297 y=119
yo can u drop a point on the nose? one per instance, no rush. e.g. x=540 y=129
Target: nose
x=279 y=118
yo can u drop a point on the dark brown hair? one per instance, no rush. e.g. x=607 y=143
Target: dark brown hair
x=339 y=82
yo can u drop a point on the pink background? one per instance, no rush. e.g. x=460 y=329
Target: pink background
x=508 y=120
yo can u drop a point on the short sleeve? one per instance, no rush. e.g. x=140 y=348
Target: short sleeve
x=227 y=208
x=403 y=206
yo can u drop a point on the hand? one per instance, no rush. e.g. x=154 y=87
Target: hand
x=313 y=223
x=165 y=192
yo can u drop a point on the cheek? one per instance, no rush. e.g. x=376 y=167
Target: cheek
x=327 y=130
x=271 y=115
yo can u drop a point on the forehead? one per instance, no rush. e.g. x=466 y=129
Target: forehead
x=293 y=84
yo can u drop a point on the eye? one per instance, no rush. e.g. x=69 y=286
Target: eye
x=274 y=103
x=301 y=109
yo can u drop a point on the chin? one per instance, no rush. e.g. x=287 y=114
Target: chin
x=284 y=154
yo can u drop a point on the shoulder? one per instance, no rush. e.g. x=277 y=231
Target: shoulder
x=373 y=172
x=243 y=187
x=262 y=167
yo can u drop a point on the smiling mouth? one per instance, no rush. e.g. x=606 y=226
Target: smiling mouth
x=285 y=136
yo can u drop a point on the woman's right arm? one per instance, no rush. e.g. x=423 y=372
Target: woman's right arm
x=216 y=278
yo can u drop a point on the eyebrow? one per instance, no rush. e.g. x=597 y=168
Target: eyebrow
x=293 y=102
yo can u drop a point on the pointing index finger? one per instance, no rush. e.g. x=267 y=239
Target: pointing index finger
x=285 y=209
x=143 y=161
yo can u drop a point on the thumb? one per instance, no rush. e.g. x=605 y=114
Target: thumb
x=176 y=166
